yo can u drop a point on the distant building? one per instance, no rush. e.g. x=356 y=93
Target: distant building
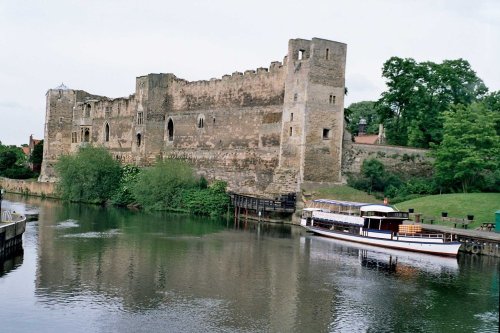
x=369 y=139
x=28 y=150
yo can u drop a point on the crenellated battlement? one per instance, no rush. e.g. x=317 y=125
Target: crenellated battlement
x=274 y=67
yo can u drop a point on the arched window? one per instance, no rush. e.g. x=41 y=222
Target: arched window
x=106 y=133
x=139 y=139
x=170 y=130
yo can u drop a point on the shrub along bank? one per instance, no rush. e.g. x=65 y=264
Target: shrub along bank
x=93 y=176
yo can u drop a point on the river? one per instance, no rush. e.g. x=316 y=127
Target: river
x=93 y=269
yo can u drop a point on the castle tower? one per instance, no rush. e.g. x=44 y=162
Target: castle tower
x=149 y=123
x=313 y=111
x=58 y=124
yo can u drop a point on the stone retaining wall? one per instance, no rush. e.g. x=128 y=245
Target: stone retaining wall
x=406 y=160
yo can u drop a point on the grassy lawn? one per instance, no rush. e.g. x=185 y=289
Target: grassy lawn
x=482 y=205
x=342 y=192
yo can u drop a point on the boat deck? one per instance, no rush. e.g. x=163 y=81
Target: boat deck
x=479 y=234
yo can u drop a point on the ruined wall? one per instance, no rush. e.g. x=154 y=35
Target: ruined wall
x=264 y=131
x=229 y=128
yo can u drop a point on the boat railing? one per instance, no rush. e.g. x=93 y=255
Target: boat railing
x=6 y=216
x=419 y=235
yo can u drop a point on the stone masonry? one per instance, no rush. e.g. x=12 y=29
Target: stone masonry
x=264 y=131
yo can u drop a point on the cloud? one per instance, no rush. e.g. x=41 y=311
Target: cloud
x=101 y=46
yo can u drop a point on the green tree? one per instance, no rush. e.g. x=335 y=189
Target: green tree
x=492 y=102
x=417 y=95
x=366 y=110
x=8 y=159
x=470 y=150
x=91 y=175
x=13 y=163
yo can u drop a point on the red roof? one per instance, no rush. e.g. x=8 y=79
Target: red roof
x=367 y=139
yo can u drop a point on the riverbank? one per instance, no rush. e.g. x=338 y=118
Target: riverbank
x=29 y=187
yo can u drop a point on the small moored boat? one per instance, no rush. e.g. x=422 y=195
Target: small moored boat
x=374 y=224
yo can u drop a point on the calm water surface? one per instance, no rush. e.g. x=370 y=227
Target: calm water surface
x=89 y=269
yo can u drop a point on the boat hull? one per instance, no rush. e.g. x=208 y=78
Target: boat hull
x=443 y=249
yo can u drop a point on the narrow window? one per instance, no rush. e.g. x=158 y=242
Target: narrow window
x=301 y=54
x=327 y=54
x=326 y=133
x=140 y=118
x=291 y=131
x=106 y=133
x=214 y=120
x=170 y=130
x=61 y=120
x=295 y=96
x=87 y=110
x=200 y=123
x=86 y=135
x=291 y=116
x=332 y=99
x=74 y=137
x=139 y=140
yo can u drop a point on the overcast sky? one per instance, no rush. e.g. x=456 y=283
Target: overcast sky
x=102 y=46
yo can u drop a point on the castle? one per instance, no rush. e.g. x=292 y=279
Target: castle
x=264 y=131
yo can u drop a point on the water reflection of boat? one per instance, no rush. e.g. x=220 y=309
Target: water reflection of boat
x=374 y=224
x=376 y=258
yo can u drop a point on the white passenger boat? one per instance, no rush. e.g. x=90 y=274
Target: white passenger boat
x=374 y=224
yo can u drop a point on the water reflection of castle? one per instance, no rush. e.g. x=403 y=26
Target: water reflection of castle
x=246 y=274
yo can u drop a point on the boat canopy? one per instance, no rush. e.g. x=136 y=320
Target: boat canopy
x=377 y=208
x=340 y=203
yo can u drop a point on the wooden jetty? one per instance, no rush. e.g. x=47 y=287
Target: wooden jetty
x=263 y=208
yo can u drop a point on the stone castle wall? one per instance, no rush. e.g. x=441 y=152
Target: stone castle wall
x=263 y=131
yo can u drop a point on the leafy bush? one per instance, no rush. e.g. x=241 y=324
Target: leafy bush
x=373 y=171
x=123 y=195
x=397 y=187
x=91 y=175
x=212 y=201
x=171 y=185
x=160 y=187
